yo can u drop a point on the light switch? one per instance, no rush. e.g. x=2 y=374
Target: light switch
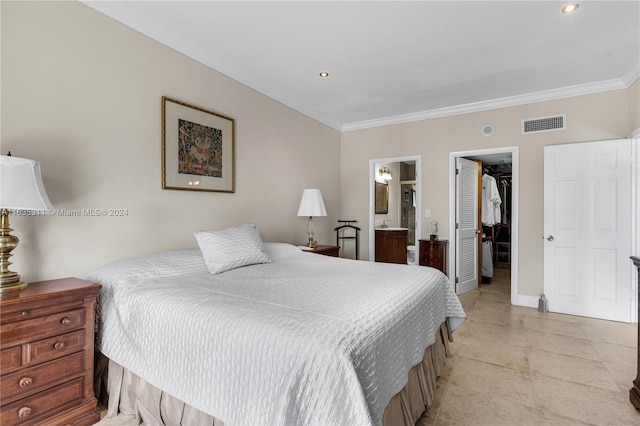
x=427 y=213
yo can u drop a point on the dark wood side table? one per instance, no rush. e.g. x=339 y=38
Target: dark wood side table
x=634 y=392
x=46 y=347
x=325 y=250
x=433 y=253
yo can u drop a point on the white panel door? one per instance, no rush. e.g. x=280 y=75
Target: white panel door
x=587 y=225
x=466 y=225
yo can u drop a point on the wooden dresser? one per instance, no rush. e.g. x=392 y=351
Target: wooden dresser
x=433 y=253
x=634 y=392
x=46 y=348
x=391 y=245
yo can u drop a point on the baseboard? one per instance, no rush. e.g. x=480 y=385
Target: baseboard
x=528 y=301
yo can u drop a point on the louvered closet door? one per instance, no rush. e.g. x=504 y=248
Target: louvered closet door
x=466 y=225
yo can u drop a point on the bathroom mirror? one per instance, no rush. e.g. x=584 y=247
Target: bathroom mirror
x=382 y=198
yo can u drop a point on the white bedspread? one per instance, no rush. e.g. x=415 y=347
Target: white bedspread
x=306 y=339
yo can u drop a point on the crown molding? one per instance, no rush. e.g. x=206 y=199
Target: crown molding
x=547 y=95
x=631 y=74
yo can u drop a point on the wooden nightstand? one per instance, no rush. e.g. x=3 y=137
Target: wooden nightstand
x=433 y=253
x=326 y=250
x=46 y=348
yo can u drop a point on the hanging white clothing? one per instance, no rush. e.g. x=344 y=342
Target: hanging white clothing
x=491 y=201
x=487 y=259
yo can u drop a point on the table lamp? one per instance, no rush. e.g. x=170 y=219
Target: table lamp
x=21 y=189
x=311 y=205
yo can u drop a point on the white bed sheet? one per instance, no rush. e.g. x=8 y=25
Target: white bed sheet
x=306 y=339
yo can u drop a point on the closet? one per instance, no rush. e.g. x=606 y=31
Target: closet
x=496 y=219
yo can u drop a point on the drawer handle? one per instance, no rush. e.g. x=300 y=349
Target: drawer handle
x=24 y=412
x=58 y=345
x=25 y=313
x=65 y=321
x=25 y=381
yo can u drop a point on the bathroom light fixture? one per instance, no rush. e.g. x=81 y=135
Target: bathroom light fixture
x=324 y=74
x=384 y=173
x=311 y=205
x=570 y=8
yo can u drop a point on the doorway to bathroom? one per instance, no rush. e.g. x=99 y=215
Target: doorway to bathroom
x=394 y=200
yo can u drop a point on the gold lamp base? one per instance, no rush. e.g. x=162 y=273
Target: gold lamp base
x=9 y=280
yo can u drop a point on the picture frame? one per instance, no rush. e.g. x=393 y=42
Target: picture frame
x=198 y=148
x=382 y=198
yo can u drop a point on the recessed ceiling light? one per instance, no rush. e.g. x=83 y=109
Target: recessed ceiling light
x=570 y=8
x=324 y=74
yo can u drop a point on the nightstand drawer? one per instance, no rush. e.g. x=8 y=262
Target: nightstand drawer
x=56 y=346
x=49 y=325
x=29 y=380
x=36 y=406
x=16 y=314
x=10 y=358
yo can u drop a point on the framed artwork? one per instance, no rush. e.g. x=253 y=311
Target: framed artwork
x=198 y=148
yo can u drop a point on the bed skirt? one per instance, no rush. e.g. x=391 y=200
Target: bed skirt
x=123 y=392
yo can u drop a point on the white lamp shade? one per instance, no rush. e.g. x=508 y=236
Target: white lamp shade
x=21 y=186
x=312 y=203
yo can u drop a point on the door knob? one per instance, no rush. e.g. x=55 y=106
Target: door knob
x=550 y=238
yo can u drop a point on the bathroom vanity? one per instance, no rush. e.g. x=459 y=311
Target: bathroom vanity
x=391 y=245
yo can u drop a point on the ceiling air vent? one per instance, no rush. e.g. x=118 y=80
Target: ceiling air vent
x=544 y=124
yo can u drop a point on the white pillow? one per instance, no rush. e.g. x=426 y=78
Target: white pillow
x=231 y=248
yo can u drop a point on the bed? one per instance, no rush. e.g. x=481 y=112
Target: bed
x=287 y=337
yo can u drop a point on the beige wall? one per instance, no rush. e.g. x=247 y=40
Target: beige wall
x=589 y=118
x=81 y=93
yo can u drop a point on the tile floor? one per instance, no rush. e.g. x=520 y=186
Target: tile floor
x=512 y=365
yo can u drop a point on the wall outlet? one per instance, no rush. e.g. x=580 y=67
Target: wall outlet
x=427 y=213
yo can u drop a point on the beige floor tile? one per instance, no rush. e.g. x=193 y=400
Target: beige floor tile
x=496 y=288
x=547 y=418
x=500 y=382
x=513 y=335
x=499 y=318
x=606 y=333
x=582 y=348
x=552 y=326
x=503 y=354
x=585 y=403
x=468 y=300
x=605 y=323
x=617 y=354
x=497 y=306
x=496 y=297
x=462 y=330
x=622 y=376
x=570 y=368
x=461 y=407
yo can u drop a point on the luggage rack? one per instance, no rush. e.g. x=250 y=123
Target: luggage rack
x=347 y=224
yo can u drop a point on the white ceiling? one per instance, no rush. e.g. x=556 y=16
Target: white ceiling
x=398 y=61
